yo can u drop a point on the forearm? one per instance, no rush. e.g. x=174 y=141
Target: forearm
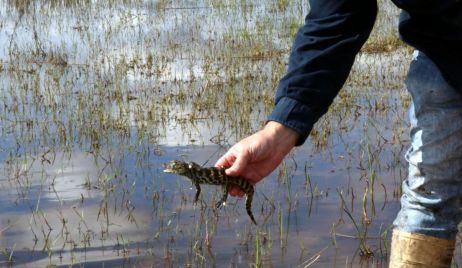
x=322 y=55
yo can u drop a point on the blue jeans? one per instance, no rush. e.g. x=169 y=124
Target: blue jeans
x=432 y=193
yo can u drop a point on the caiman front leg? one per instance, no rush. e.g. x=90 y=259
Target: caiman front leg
x=198 y=188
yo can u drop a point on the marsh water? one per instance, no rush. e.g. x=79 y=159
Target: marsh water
x=97 y=95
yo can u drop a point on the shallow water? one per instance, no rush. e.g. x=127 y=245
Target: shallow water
x=97 y=96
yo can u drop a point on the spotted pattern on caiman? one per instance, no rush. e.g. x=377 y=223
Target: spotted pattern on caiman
x=214 y=176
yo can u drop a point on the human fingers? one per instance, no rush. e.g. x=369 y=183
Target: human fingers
x=226 y=160
x=239 y=164
x=235 y=191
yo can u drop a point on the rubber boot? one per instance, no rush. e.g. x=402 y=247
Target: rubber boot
x=418 y=250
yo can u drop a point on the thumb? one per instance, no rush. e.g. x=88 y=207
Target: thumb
x=238 y=166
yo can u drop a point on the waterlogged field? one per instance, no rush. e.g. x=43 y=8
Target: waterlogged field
x=97 y=95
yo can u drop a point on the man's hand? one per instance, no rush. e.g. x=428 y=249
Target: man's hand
x=259 y=154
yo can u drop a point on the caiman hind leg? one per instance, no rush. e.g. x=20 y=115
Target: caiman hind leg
x=225 y=185
x=224 y=197
x=248 y=206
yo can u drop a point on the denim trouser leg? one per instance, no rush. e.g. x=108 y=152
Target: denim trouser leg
x=432 y=192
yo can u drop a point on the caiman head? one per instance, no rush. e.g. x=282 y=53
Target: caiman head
x=176 y=166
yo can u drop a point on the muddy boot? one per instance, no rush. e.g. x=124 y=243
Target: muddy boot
x=418 y=250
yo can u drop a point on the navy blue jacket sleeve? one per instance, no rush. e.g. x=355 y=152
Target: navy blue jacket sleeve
x=321 y=58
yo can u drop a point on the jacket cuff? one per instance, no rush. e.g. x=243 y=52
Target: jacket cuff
x=295 y=115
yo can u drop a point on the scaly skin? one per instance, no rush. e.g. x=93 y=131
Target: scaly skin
x=200 y=175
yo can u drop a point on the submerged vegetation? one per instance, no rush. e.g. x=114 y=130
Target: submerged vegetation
x=96 y=95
